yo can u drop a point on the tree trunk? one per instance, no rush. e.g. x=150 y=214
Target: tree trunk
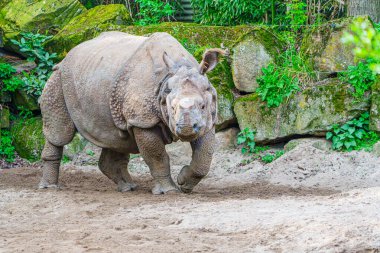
x=364 y=7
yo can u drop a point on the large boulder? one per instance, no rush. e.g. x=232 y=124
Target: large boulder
x=311 y=112
x=31 y=16
x=28 y=138
x=374 y=123
x=254 y=51
x=88 y=25
x=323 y=46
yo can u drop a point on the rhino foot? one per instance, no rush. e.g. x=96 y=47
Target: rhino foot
x=164 y=186
x=46 y=185
x=126 y=187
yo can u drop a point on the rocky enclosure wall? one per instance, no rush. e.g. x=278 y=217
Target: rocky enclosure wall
x=324 y=102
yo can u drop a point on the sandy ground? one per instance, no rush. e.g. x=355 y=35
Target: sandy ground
x=309 y=200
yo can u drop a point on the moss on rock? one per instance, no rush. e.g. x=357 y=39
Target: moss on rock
x=323 y=48
x=88 y=25
x=28 y=138
x=39 y=15
x=374 y=123
x=252 y=52
x=311 y=112
x=4 y=117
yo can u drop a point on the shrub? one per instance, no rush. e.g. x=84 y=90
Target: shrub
x=7 y=150
x=32 y=46
x=360 y=77
x=268 y=158
x=7 y=81
x=353 y=135
x=221 y=12
x=153 y=11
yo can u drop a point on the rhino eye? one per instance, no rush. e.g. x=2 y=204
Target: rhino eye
x=209 y=88
x=167 y=90
x=203 y=106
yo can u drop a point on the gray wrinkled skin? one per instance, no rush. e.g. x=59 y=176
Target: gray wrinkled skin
x=130 y=94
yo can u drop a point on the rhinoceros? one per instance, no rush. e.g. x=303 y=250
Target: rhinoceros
x=132 y=94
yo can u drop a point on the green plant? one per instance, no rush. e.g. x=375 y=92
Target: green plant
x=275 y=85
x=32 y=46
x=353 y=135
x=268 y=158
x=8 y=82
x=65 y=159
x=221 y=12
x=360 y=77
x=153 y=11
x=246 y=137
x=367 y=42
x=24 y=112
x=90 y=152
x=7 y=150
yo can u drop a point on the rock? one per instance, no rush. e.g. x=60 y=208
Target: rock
x=31 y=16
x=77 y=145
x=311 y=112
x=374 y=123
x=226 y=115
x=226 y=138
x=88 y=25
x=24 y=100
x=179 y=153
x=4 y=117
x=319 y=143
x=376 y=149
x=28 y=138
x=254 y=51
x=323 y=47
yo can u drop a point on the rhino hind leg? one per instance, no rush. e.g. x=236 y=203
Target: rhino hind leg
x=115 y=166
x=58 y=129
x=152 y=149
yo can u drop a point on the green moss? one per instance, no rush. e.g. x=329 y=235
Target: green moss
x=28 y=138
x=323 y=49
x=88 y=25
x=4 y=117
x=193 y=34
x=37 y=15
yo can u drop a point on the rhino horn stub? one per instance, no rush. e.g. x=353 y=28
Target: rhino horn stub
x=211 y=59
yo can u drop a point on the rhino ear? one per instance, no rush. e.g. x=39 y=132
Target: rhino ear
x=170 y=64
x=211 y=59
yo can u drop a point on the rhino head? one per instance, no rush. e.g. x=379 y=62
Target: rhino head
x=187 y=98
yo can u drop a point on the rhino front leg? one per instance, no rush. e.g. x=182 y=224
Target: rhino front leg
x=152 y=148
x=203 y=149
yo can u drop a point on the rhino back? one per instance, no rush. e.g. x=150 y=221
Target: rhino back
x=88 y=73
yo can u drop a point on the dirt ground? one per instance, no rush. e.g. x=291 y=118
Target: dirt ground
x=309 y=200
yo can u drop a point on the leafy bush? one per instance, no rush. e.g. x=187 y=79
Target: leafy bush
x=353 y=135
x=221 y=12
x=153 y=11
x=367 y=42
x=360 y=77
x=32 y=46
x=7 y=81
x=275 y=85
x=247 y=138
x=7 y=150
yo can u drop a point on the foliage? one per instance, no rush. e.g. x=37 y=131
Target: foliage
x=353 y=135
x=153 y=11
x=32 y=46
x=360 y=77
x=7 y=81
x=247 y=138
x=221 y=12
x=367 y=42
x=268 y=158
x=7 y=150
x=275 y=85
